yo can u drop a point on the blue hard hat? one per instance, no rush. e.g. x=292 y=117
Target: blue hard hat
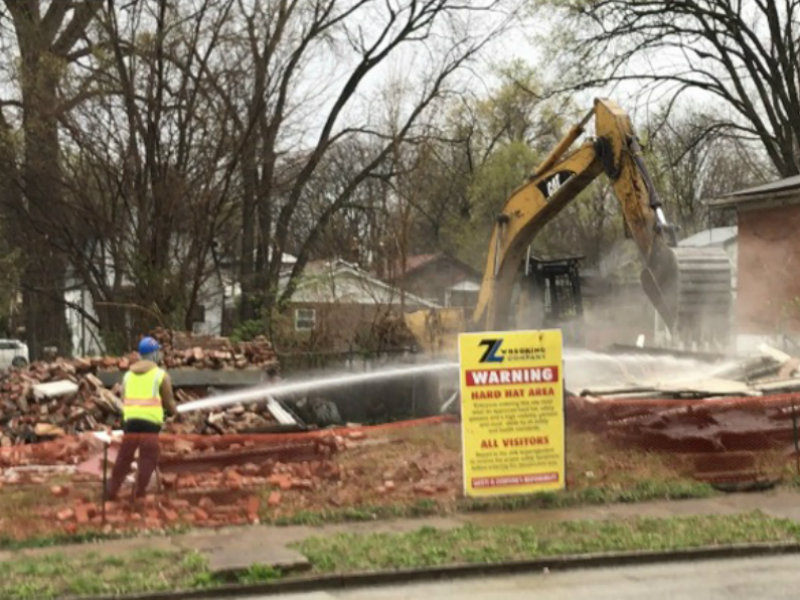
x=148 y=345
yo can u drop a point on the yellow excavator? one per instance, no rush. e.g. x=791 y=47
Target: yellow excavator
x=689 y=287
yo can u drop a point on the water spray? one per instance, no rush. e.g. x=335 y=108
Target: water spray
x=583 y=368
x=260 y=392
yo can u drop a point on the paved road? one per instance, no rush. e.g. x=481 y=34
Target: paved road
x=729 y=579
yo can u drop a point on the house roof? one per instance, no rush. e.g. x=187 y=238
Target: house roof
x=337 y=281
x=418 y=261
x=716 y=236
x=776 y=193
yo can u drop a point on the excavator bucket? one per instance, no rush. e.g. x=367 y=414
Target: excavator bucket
x=691 y=289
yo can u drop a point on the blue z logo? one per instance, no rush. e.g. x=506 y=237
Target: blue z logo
x=492 y=348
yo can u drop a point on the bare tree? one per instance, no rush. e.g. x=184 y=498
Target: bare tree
x=151 y=164
x=340 y=45
x=358 y=232
x=742 y=52
x=689 y=164
x=158 y=135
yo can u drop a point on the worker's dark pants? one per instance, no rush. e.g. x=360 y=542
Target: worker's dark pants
x=139 y=434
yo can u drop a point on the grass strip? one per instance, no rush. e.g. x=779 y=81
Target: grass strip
x=429 y=547
x=92 y=574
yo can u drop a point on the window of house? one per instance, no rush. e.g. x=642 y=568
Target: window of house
x=304 y=319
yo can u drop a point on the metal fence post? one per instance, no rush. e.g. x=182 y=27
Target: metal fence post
x=105 y=481
x=796 y=445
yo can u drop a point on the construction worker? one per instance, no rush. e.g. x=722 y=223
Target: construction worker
x=146 y=394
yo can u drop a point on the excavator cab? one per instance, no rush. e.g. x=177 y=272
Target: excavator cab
x=552 y=287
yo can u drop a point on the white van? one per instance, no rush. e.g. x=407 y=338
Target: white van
x=13 y=353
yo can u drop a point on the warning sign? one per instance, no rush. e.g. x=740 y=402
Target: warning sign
x=512 y=412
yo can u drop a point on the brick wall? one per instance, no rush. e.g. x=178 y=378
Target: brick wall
x=769 y=271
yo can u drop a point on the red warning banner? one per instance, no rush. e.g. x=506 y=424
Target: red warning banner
x=512 y=376
x=485 y=482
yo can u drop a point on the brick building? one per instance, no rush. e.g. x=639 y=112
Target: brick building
x=338 y=306
x=439 y=278
x=768 y=294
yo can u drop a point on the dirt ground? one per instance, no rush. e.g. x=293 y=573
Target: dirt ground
x=213 y=482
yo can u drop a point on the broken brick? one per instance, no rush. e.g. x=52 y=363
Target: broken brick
x=389 y=485
x=183 y=446
x=425 y=489
x=179 y=503
x=65 y=514
x=274 y=498
x=253 y=504
x=199 y=514
x=169 y=515
x=250 y=469
x=82 y=514
x=303 y=471
x=282 y=480
x=357 y=435
x=206 y=503
x=169 y=479
x=222 y=512
x=59 y=490
x=188 y=482
x=302 y=484
x=233 y=480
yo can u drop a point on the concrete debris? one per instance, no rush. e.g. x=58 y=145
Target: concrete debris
x=771 y=372
x=54 y=389
x=46 y=430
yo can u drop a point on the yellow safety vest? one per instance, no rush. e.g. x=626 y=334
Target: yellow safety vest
x=143 y=396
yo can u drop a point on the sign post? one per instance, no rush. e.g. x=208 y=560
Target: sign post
x=512 y=412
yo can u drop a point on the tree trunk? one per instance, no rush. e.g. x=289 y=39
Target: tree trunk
x=43 y=278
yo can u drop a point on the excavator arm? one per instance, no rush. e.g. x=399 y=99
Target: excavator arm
x=558 y=181
x=681 y=283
